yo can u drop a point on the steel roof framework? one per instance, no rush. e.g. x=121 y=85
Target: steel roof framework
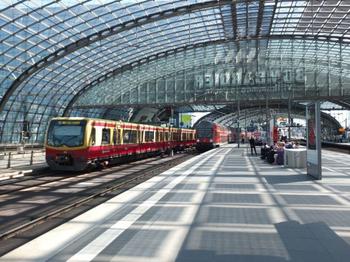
x=53 y=53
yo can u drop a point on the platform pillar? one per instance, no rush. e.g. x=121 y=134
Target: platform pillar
x=313 y=143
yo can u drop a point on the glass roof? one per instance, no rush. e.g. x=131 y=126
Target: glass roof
x=55 y=54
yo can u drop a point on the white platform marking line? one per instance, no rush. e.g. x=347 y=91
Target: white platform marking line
x=92 y=250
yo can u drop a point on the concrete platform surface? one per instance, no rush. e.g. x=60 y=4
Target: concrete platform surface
x=224 y=205
x=20 y=164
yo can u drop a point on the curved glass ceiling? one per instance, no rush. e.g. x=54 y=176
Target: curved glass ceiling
x=90 y=52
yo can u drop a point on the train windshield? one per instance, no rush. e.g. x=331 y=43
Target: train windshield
x=68 y=133
x=204 y=133
x=204 y=130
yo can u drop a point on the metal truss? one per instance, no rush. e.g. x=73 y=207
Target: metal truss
x=228 y=115
x=180 y=49
x=103 y=34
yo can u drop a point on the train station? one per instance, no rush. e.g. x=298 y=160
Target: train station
x=184 y=130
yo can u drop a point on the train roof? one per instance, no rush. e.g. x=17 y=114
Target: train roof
x=144 y=126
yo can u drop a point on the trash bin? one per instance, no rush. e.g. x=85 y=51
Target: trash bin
x=295 y=158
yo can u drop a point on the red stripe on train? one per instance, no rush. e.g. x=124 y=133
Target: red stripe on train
x=103 y=124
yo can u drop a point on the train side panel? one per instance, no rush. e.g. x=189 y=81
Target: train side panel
x=106 y=141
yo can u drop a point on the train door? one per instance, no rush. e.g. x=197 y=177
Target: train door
x=92 y=139
x=106 y=136
x=116 y=136
x=140 y=138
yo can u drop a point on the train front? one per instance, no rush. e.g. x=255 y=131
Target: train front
x=205 y=136
x=66 y=147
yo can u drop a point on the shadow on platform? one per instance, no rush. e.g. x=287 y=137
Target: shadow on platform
x=283 y=179
x=313 y=242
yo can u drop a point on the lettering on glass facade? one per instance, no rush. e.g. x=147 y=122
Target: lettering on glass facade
x=224 y=78
x=198 y=81
x=208 y=79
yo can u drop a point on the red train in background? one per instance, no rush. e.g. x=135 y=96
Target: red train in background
x=210 y=135
x=74 y=144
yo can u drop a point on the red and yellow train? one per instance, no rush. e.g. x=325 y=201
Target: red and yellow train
x=74 y=143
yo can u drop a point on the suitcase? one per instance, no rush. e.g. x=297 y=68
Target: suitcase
x=263 y=153
x=270 y=157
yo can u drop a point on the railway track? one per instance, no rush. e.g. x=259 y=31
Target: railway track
x=338 y=147
x=26 y=182
x=18 y=229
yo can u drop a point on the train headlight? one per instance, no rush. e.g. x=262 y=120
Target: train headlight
x=211 y=140
x=197 y=140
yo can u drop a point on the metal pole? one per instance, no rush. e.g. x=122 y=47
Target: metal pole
x=268 y=138
x=172 y=117
x=9 y=160
x=289 y=118
x=31 y=158
x=245 y=123
x=238 y=128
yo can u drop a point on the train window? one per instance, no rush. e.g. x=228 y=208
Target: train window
x=149 y=136
x=161 y=136
x=133 y=136
x=126 y=134
x=130 y=137
x=106 y=136
x=176 y=136
x=93 y=136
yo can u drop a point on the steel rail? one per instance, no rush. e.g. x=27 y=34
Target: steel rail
x=137 y=177
x=114 y=168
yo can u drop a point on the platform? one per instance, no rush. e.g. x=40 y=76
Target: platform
x=224 y=205
x=21 y=164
